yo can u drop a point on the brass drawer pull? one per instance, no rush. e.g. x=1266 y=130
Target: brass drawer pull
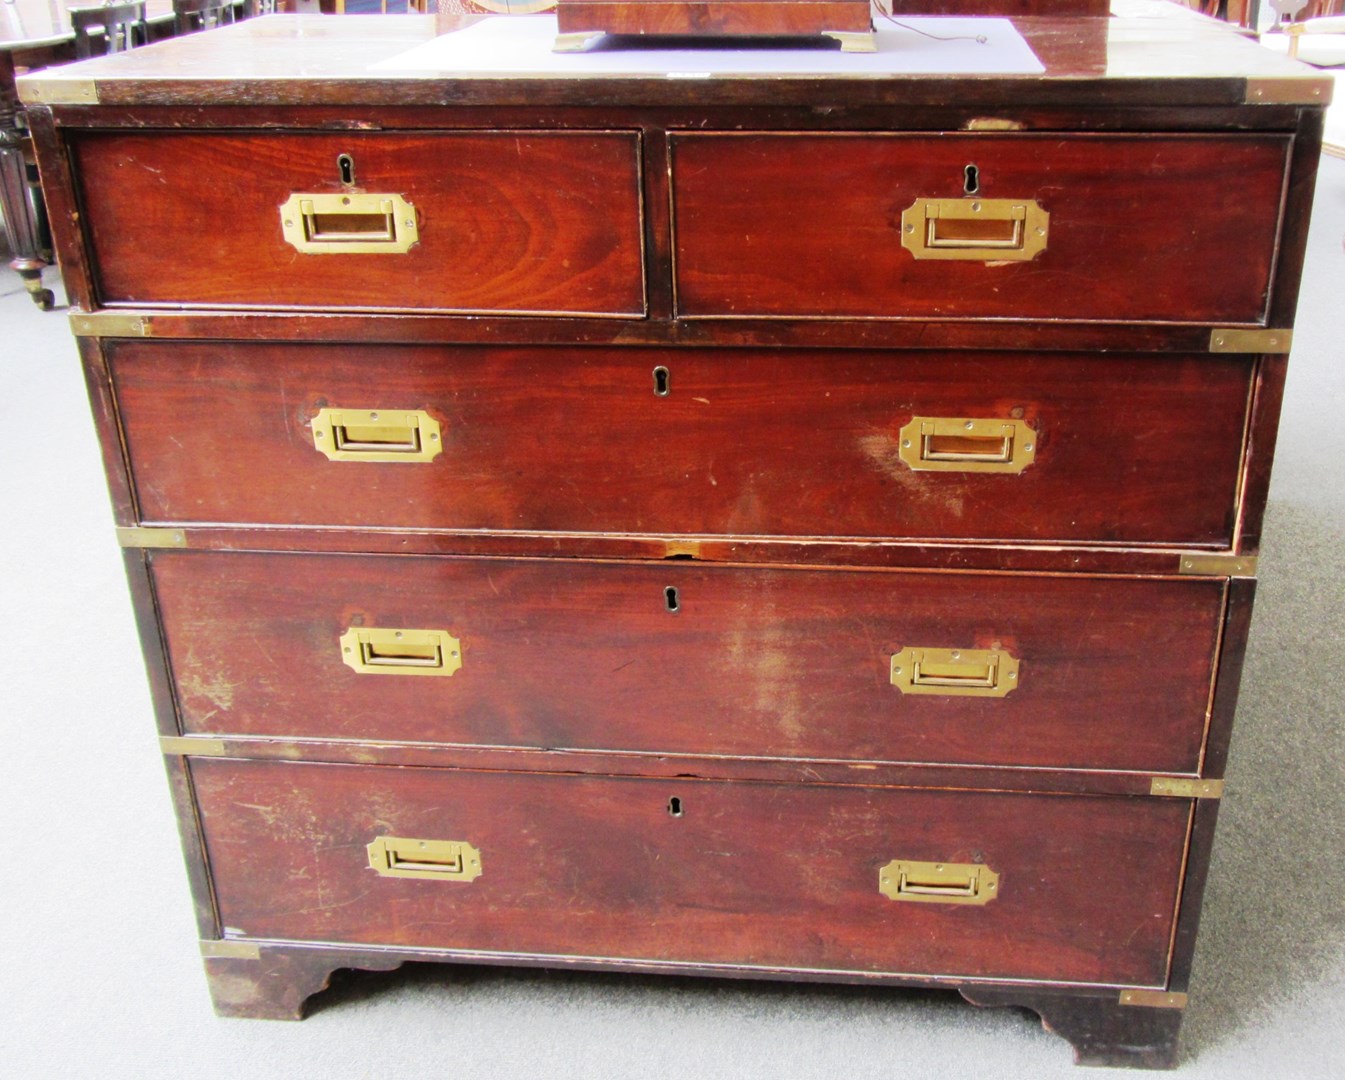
x=938 y=883
x=954 y=672
x=383 y=651
x=376 y=435
x=977 y=230
x=967 y=444
x=433 y=860
x=351 y=224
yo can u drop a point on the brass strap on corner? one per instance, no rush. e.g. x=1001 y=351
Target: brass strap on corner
x=228 y=949
x=1218 y=565
x=51 y=89
x=144 y=536
x=1153 y=999
x=191 y=746
x=110 y=324
x=1235 y=340
x=1290 y=91
x=1181 y=787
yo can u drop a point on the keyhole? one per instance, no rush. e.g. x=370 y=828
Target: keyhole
x=670 y=598
x=345 y=164
x=675 y=806
x=971 y=179
x=661 y=381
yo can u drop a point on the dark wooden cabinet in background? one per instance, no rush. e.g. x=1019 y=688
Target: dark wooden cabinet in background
x=798 y=526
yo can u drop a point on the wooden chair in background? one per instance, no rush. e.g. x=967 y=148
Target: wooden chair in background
x=192 y=15
x=109 y=29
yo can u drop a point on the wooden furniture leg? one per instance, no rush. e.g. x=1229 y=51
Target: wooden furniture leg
x=20 y=202
x=1101 y=1030
x=263 y=983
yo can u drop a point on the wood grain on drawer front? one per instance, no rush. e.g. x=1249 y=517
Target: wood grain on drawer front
x=749 y=875
x=1115 y=672
x=517 y=221
x=1142 y=227
x=1128 y=449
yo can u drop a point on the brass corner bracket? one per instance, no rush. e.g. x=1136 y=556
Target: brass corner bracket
x=110 y=324
x=226 y=949
x=1179 y=787
x=1232 y=340
x=46 y=90
x=1218 y=565
x=190 y=746
x=1292 y=91
x=1153 y=999
x=140 y=536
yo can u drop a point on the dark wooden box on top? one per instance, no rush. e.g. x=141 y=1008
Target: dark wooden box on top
x=798 y=526
x=848 y=22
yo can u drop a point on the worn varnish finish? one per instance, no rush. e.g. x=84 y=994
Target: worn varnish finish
x=508 y=221
x=287 y=842
x=1131 y=449
x=575 y=234
x=791 y=664
x=1136 y=224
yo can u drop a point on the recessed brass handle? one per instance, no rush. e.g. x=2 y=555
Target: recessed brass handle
x=320 y=223
x=374 y=650
x=967 y=444
x=432 y=860
x=377 y=435
x=938 y=883
x=954 y=672
x=975 y=230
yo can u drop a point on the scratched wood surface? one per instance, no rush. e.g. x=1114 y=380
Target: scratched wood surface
x=1129 y=449
x=519 y=220
x=1137 y=223
x=776 y=663
x=748 y=874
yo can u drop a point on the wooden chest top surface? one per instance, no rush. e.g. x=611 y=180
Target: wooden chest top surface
x=1149 y=53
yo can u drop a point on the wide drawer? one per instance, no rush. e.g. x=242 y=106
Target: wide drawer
x=1053 y=888
x=680 y=658
x=1138 y=227
x=497 y=221
x=1115 y=449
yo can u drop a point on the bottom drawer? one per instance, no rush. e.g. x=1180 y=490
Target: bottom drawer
x=1073 y=889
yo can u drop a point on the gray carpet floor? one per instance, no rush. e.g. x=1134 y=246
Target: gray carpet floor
x=100 y=975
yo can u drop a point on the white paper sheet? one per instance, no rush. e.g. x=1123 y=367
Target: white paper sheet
x=520 y=47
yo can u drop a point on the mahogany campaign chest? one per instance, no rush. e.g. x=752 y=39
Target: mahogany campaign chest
x=794 y=525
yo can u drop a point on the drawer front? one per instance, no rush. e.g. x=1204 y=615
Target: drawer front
x=1140 y=227
x=511 y=222
x=1113 y=673
x=752 y=875
x=1127 y=449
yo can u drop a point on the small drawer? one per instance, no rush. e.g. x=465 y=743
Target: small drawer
x=510 y=222
x=943 y=446
x=1077 y=227
x=958 y=884
x=1072 y=672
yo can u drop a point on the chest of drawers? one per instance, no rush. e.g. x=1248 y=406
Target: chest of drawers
x=798 y=527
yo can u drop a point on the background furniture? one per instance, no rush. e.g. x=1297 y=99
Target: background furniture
x=192 y=15
x=723 y=559
x=119 y=27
